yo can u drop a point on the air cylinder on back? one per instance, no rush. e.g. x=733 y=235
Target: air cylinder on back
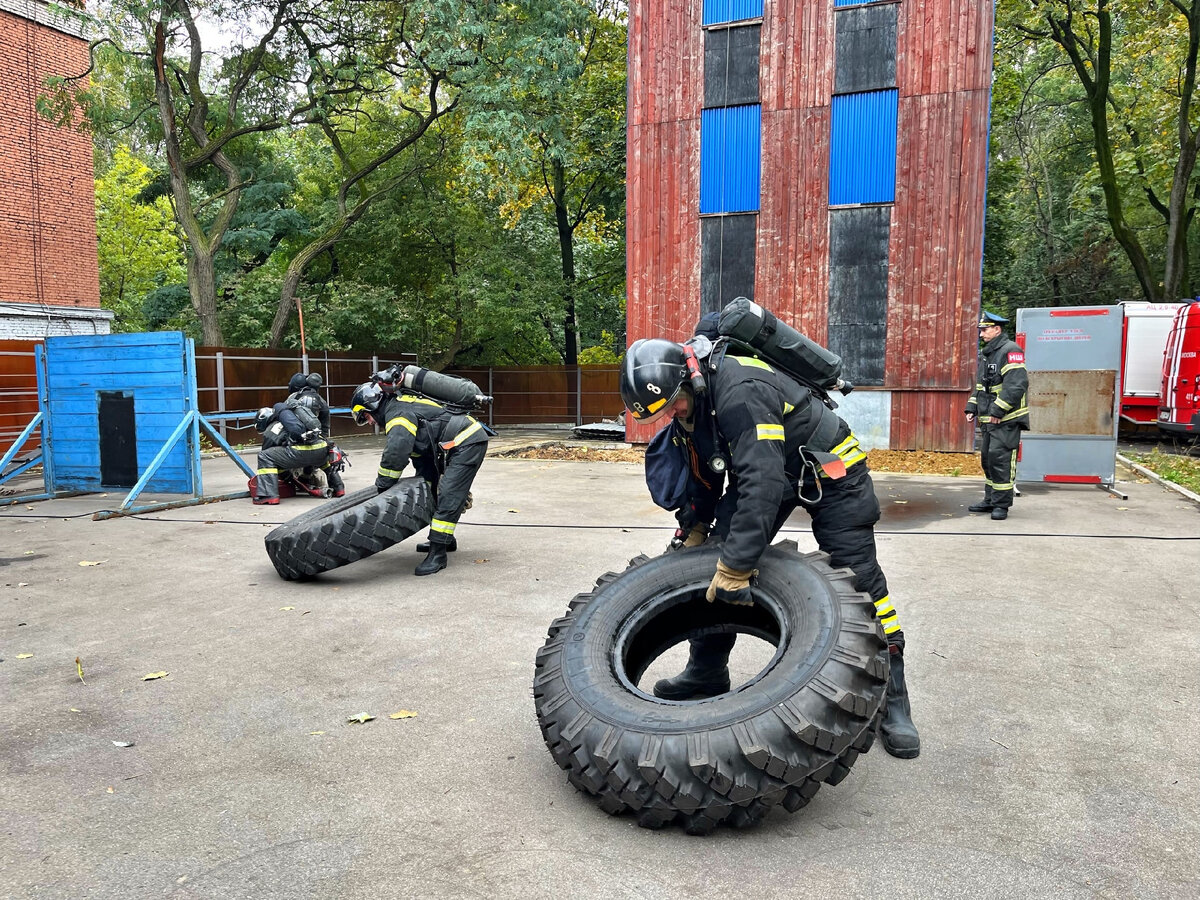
x=449 y=389
x=782 y=345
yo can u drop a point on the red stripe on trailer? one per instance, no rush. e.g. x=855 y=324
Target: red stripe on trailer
x=1073 y=479
x=1078 y=312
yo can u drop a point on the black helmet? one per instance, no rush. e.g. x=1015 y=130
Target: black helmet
x=314 y=380
x=652 y=373
x=297 y=382
x=263 y=418
x=368 y=399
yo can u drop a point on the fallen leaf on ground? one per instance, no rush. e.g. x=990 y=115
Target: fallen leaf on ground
x=24 y=656
x=286 y=608
x=899 y=501
x=361 y=718
x=88 y=562
x=514 y=510
x=485 y=559
x=110 y=790
x=316 y=732
x=1122 y=507
x=154 y=675
x=122 y=743
x=73 y=709
x=29 y=553
x=79 y=669
x=22 y=584
x=404 y=714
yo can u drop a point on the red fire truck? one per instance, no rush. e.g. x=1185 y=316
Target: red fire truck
x=1143 y=340
x=1179 y=413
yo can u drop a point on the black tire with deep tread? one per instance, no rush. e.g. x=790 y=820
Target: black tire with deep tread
x=803 y=721
x=349 y=528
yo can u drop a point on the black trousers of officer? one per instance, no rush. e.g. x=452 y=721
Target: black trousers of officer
x=998 y=455
x=843 y=522
x=462 y=464
x=274 y=460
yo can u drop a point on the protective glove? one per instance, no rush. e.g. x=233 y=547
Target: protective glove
x=730 y=586
x=382 y=484
x=682 y=539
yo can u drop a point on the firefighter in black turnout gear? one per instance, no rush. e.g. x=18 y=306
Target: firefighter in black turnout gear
x=1000 y=407
x=760 y=445
x=306 y=391
x=446 y=448
x=288 y=443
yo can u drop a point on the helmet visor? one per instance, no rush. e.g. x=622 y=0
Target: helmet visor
x=361 y=415
x=655 y=411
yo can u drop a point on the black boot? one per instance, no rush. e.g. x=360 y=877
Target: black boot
x=435 y=561
x=980 y=507
x=897 y=730
x=423 y=547
x=707 y=671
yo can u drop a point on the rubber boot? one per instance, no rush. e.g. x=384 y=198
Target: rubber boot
x=435 y=561
x=985 y=506
x=337 y=487
x=423 y=547
x=897 y=731
x=707 y=671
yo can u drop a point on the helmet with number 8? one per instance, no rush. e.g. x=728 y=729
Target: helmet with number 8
x=652 y=373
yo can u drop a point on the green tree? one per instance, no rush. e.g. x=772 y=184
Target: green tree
x=139 y=246
x=1135 y=67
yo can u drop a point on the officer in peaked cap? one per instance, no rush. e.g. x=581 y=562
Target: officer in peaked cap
x=998 y=403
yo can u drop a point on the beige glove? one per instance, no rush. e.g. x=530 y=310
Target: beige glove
x=730 y=586
x=697 y=536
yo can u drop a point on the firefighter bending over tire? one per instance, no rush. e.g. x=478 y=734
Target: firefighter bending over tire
x=445 y=445
x=760 y=444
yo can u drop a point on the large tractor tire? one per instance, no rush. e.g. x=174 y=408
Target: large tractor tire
x=802 y=721
x=349 y=528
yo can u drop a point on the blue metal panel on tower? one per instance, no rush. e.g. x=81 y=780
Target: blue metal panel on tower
x=141 y=380
x=719 y=11
x=837 y=3
x=731 y=159
x=862 y=154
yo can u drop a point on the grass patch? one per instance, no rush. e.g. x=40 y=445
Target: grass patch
x=1181 y=470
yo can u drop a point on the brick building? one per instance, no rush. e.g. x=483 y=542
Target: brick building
x=49 y=277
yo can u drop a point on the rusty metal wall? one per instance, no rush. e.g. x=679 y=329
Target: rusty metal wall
x=943 y=73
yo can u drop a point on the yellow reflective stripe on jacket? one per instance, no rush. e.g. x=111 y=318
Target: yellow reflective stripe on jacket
x=1003 y=404
x=400 y=420
x=320 y=446
x=751 y=361
x=389 y=473
x=462 y=436
x=413 y=398
x=441 y=525
x=1011 y=366
x=849 y=451
x=770 y=432
x=1015 y=414
x=788 y=407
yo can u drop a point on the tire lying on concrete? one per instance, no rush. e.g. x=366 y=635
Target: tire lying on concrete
x=803 y=720
x=349 y=528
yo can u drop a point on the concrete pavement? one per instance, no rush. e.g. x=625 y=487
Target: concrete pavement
x=1051 y=658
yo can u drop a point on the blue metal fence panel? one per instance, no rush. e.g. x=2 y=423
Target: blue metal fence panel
x=862 y=152
x=837 y=3
x=730 y=159
x=719 y=11
x=149 y=367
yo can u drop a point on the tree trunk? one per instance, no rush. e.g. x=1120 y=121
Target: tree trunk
x=295 y=271
x=1178 y=220
x=566 y=245
x=202 y=286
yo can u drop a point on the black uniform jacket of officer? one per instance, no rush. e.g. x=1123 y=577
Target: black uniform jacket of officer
x=422 y=430
x=1000 y=385
x=758 y=419
x=284 y=430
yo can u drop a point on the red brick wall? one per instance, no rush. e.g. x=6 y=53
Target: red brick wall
x=47 y=184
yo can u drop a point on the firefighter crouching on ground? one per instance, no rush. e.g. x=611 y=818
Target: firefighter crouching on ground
x=287 y=444
x=446 y=448
x=306 y=389
x=755 y=420
x=999 y=405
